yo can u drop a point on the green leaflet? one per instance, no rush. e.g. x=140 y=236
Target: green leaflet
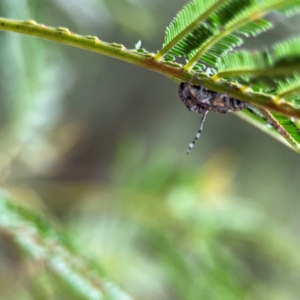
x=187 y=20
x=287 y=50
x=281 y=60
x=236 y=10
x=242 y=60
x=237 y=24
x=185 y=17
x=191 y=42
x=255 y=27
x=288 y=88
x=290 y=126
x=291 y=9
x=212 y=56
x=186 y=34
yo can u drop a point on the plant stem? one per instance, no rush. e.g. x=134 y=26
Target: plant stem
x=94 y=44
x=173 y=70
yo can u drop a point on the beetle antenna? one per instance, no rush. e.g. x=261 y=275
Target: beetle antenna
x=192 y=144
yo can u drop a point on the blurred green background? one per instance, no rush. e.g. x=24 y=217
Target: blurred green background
x=97 y=146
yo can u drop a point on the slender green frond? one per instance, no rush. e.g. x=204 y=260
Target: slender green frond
x=288 y=87
x=291 y=10
x=280 y=127
x=185 y=34
x=190 y=13
x=287 y=50
x=231 y=41
x=255 y=27
x=211 y=57
x=283 y=127
x=253 y=11
x=242 y=60
x=186 y=21
x=191 y=41
x=231 y=10
x=259 y=121
x=282 y=59
x=293 y=130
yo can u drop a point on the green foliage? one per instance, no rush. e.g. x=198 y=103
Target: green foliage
x=280 y=60
x=290 y=126
x=221 y=14
x=188 y=15
x=289 y=87
x=287 y=50
x=207 y=44
x=188 y=20
x=226 y=16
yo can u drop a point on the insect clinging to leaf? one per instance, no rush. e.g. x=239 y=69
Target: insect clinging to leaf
x=201 y=100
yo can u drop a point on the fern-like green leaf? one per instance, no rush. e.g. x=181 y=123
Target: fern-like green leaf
x=186 y=21
x=232 y=10
x=186 y=33
x=288 y=88
x=191 y=42
x=291 y=10
x=212 y=57
x=281 y=60
x=291 y=128
x=219 y=30
x=287 y=50
x=242 y=60
x=185 y=17
x=242 y=22
x=255 y=27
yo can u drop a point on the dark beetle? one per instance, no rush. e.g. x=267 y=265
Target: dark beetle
x=201 y=100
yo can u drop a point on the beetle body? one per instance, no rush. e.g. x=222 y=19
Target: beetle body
x=198 y=99
x=201 y=100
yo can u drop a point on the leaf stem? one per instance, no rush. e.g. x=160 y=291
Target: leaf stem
x=173 y=70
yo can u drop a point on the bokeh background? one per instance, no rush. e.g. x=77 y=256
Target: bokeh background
x=97 y=146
